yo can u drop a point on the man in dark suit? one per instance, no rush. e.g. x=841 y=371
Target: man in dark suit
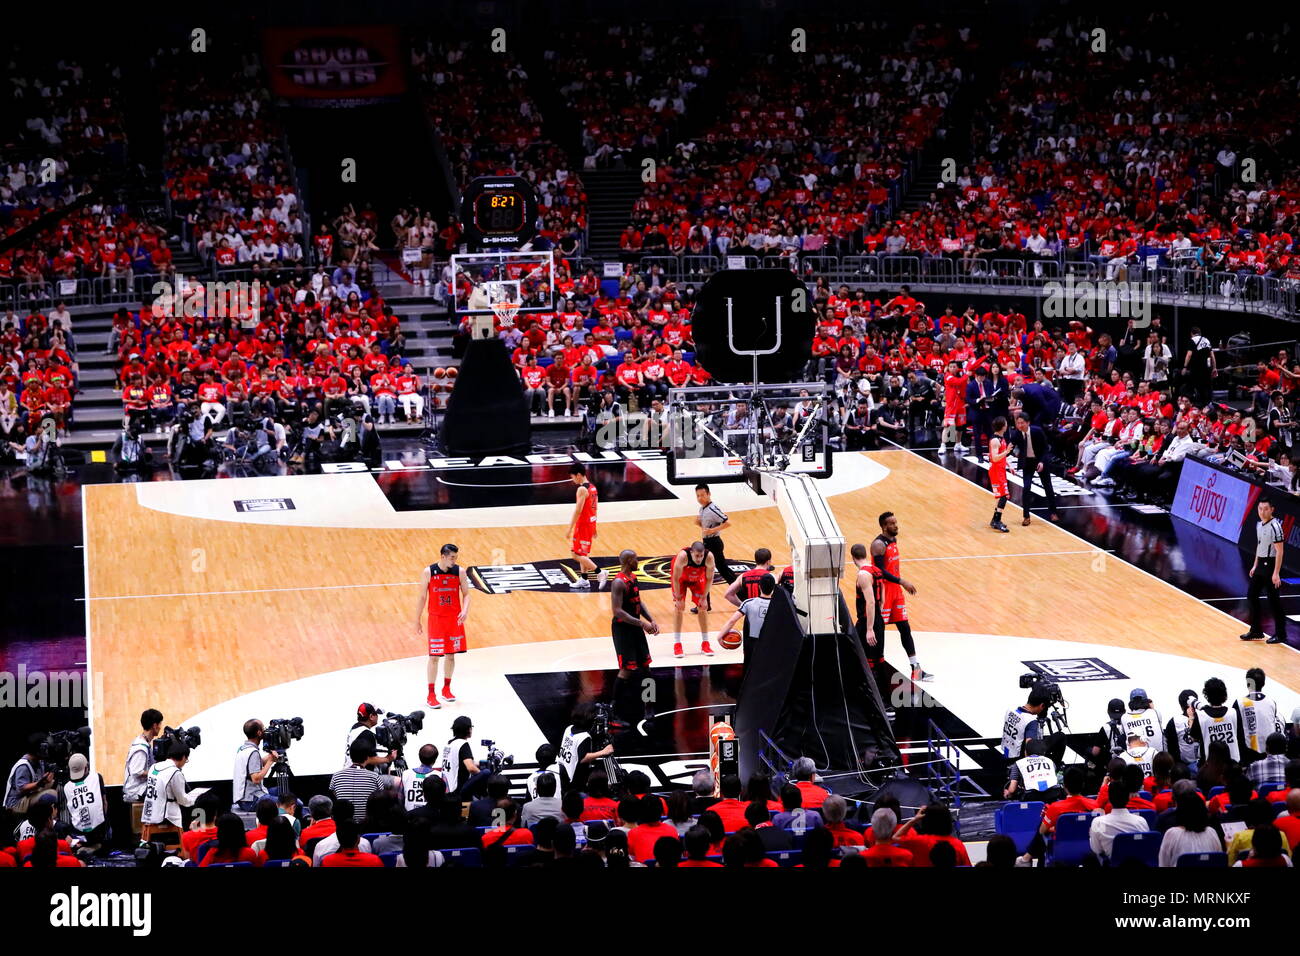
x=1034 y=455
x=1040 y=401
x=979 y=399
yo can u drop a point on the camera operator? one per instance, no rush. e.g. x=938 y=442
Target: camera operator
x=413 y=790
x=579 y=750
x=250 y=768
x=165 y=794
x=1022 y=724
x=459 y=768
x=1035 y=776
x=363 y=731
x=81 y=803
x=27 y=781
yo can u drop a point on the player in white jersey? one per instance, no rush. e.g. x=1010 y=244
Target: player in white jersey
x=1141 y=718
x=1258 y=713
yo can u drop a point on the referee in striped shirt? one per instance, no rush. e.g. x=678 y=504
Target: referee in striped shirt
x=1266 y=574
x=712 y=521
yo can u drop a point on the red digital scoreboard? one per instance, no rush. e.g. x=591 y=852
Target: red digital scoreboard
x=499 y=212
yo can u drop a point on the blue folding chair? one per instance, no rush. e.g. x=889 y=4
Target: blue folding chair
x=1070 y=846
x=1149 y=816
x=1020 y=821
x=464 y=856
x=389 y=859
x=372 y=837
x=228 y=866
x=1143 y=848
x=517 y=853
x=1215 y=791
x=1266 y=788
x=797 y=837
x=1203 y=861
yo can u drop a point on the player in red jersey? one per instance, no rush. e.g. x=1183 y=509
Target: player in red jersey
x=582 y=529
x=445 y=587
x=999 y=448
x=693 y=570
x=954 y=409
x=892 y=608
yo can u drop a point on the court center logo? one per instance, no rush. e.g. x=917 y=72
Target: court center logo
x=1070 y=669
x=558 y=576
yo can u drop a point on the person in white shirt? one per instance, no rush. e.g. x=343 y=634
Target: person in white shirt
x=1191 y=832
x=1102 y=833
x=1071 y=373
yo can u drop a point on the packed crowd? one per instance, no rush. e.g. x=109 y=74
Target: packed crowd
x=803 y=155
x=1125 y=154
x=489 y=122
x=226 y=170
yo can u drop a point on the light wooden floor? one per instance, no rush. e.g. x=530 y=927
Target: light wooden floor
x=167 y=631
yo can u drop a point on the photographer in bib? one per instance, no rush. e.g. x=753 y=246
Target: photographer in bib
x=460 y=770
x=27 y=779
x=1035 y=776
x=1141 y=718
x=251 y=767
x=1179 y=739
x=413 y=790
x=1110 y=742
x=81 y=804
x=579 y=749
x=164 y=795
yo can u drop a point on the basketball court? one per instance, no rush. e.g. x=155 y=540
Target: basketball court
x=220 y=600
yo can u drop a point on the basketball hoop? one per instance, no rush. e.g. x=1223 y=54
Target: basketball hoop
x=506 y=312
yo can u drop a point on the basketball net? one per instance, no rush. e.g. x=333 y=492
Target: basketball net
x=506 y=312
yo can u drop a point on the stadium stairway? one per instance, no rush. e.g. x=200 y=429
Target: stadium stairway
x=610 y=195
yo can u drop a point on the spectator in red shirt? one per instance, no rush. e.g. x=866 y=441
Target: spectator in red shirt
x=834 y=809
x=883 y=850
x=349 y=834
x=321 y=808
x=510 y=833
x=598 y=804
x=745 y=849
x=803 y=772
x=1074 y=801
x=649 y=829
x=232 y=844
x=731 y=809
x=697 y=843
x=931 y=825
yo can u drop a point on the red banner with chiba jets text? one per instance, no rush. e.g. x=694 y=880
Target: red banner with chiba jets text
x=335 y=64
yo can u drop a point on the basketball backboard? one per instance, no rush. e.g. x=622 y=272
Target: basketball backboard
x=716 y=431
x=483 y=282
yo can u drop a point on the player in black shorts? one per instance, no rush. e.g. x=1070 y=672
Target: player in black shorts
x=630 y=624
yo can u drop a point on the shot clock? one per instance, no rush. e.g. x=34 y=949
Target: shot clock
x=499 y=212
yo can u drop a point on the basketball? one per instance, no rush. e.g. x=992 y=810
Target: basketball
x=439 y=372
x=730 y=640
x=452 y=373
